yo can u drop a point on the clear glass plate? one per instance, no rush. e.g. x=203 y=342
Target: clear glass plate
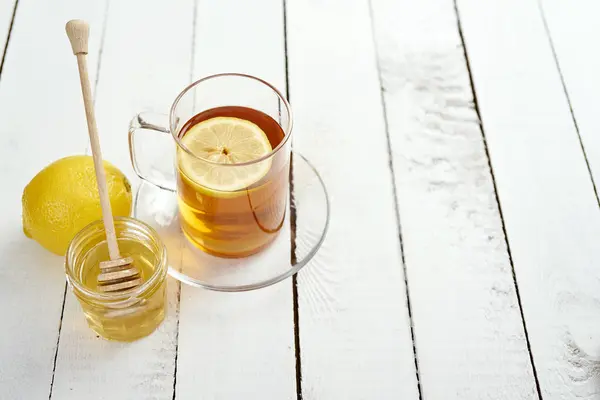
x=298 y=241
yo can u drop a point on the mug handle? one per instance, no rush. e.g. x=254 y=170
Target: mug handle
x=152 y=168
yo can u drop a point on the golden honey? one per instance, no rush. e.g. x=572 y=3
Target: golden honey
x=127 y=315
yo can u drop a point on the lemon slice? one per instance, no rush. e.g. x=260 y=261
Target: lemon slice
x=225 y=140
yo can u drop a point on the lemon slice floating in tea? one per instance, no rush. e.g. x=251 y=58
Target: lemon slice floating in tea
x=225 y=140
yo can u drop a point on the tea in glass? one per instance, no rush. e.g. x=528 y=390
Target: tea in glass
x=232 y=183
x=232 y=134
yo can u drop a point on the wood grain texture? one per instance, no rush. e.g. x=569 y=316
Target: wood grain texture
x=545 y=191
x=238 y=345
x=39 y=125
x=354 y=326
x=456 y=258
x=6 y=14
x=78 y=32
x=133 y=77
x=574 y=32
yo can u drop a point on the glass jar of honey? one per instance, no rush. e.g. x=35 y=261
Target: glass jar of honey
x=125 y=315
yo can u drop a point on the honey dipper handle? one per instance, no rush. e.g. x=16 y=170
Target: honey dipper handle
x=78 y=32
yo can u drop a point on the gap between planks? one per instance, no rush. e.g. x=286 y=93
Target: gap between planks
x=395 y=196
x=62 y=313
x=178 y=314
x=568 y=98
x=296 y=313
x=10 y=27
x=178 y=306
x=487 y=154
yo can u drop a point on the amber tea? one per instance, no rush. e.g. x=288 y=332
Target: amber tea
x=232 y=188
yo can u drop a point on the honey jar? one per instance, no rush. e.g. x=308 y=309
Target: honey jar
x=125 y=315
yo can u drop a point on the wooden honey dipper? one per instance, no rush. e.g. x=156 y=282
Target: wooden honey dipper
x=118 y=273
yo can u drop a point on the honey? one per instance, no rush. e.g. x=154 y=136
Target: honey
x=127 y=315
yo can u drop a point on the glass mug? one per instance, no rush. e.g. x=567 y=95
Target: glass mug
x=243 y=212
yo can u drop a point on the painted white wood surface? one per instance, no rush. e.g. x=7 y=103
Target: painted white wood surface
x=354 y=328
x=575 y=31
x=545 y=191
x=133 y=76
x=6 y=13
x=39 y=124
x=238 y=345
x=458 y=268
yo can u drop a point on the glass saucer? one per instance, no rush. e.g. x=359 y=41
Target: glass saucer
x=298 y=241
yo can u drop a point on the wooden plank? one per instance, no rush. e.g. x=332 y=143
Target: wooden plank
x=573 y=31
x=7 y=8
x=133 y=76
x=243 y=343
x=457 y=262
x=355 y=338
x=545 y=191
x=39 y=124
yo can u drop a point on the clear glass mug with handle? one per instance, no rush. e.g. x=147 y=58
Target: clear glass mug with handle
x=232 y=149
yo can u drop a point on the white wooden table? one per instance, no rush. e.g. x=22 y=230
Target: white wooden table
x=459 y=143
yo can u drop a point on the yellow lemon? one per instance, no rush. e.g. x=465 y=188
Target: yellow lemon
x=63 y=198
x=225 y=141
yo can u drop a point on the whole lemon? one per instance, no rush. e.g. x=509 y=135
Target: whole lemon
x=63 y=198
